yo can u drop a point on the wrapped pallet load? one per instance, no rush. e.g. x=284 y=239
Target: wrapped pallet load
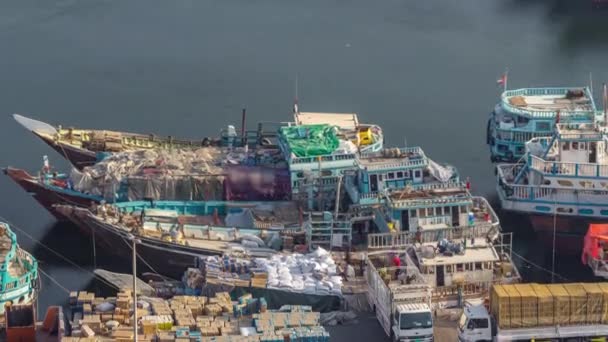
x=561 y=304
x=595 y=302
x=545 y=302
x=578 y=303
x=500 y=306
x=514 y=306
x=604 y=288
x=529 y=305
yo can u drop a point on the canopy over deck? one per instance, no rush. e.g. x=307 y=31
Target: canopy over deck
x=347 y=121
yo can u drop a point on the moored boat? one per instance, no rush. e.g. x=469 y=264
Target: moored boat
x=561 y=183
x=18 y=271
x=527 y=113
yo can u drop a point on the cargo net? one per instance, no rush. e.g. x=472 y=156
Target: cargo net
x=202 y=174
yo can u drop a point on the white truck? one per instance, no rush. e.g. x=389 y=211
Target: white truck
x=476 y=324
x=404 y=311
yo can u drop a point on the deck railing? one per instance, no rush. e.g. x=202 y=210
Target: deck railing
x=551 y=168
x=403 y=239
x=518 y=136
x=545 y=114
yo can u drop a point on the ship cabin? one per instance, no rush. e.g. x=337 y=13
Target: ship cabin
x=466 y=261
x=317 y=157
x=391 y=168
x=524 y=114
x=450 y=266
x=438 y=206
x=567 y=173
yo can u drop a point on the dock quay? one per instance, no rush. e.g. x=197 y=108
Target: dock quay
x=122 y=281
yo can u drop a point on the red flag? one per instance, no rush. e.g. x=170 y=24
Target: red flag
x=502 y=80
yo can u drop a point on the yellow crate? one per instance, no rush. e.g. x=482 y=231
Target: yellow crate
x=578 y=303
x=545 y=304
x=514 y=305
x=561 y=304
x=595 y=303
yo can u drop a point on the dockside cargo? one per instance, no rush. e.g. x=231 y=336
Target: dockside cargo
x=191 y=318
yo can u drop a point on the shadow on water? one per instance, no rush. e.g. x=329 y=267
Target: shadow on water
x=577 y=23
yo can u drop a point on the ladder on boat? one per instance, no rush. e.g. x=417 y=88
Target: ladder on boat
x=329 y=232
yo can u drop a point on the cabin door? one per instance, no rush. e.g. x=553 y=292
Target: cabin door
x=405 y=220
x=455 y=217
x=373 y=183
x=593 y=153
x=440 y=275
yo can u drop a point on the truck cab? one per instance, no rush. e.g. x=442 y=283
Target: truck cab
x=412 y=322
x=475 y=324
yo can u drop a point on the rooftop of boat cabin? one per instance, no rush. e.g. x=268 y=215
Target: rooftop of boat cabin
x=393 y=158
x=346 y=121
x=433 y=192
x=479 y=251
x=546 y=102
x=580 y=131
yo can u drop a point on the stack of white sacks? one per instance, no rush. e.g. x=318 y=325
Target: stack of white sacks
x=313 y=273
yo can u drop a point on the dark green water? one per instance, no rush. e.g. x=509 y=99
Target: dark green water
x=423 y=70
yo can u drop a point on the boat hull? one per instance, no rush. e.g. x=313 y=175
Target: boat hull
x=79 y=157
x=569 y=232
x=160 y=257
x=46 y=196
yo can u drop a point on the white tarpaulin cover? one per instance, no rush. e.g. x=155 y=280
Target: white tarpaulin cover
x=442 y=173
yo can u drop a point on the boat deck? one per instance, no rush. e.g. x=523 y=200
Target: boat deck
x=480 y=251
x=551 y=103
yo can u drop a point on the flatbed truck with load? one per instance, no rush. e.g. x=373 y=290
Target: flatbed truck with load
x=537 y=312
x=403 y=310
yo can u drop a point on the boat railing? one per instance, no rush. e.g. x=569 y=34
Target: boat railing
x=518 y=136
x=31 y=267
x=402 y=239
x=544 y=113
x=407 y=162
x=552 y=168
x=405 y=203
x=417 y=150
x=322 y=159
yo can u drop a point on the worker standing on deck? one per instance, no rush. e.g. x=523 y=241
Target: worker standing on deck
x=397 y=264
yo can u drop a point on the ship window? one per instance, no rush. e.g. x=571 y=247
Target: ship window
x=566 y=146
x=543 y=126
x=564 y=182
x=542 y=208
x=459 y=267
x=326 y=173
x=400 y=174
x=502 y=148
x=585 y=211
x=448 y=268
x=575 y=145
x=391 y=175
x=300 y=174
x=586 y=184
x=417 y=174
x=468 y=267
x=488 y=265
x=406 y=174
x=414 y=213
x=604 y=212
x=430 y=270
x=583 y=145
x=478 y=266
x=520 y=149
x=564 y=210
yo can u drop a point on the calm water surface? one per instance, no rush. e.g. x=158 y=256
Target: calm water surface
x=423 y=70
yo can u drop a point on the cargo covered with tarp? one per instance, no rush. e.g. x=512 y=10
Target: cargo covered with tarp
x=531 y=305
x=205 y=174
x=256 y=183
x=310 y=140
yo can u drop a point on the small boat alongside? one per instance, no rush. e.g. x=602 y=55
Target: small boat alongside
x=18 y=271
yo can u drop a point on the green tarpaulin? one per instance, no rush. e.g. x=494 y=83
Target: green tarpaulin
x=311 y=140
